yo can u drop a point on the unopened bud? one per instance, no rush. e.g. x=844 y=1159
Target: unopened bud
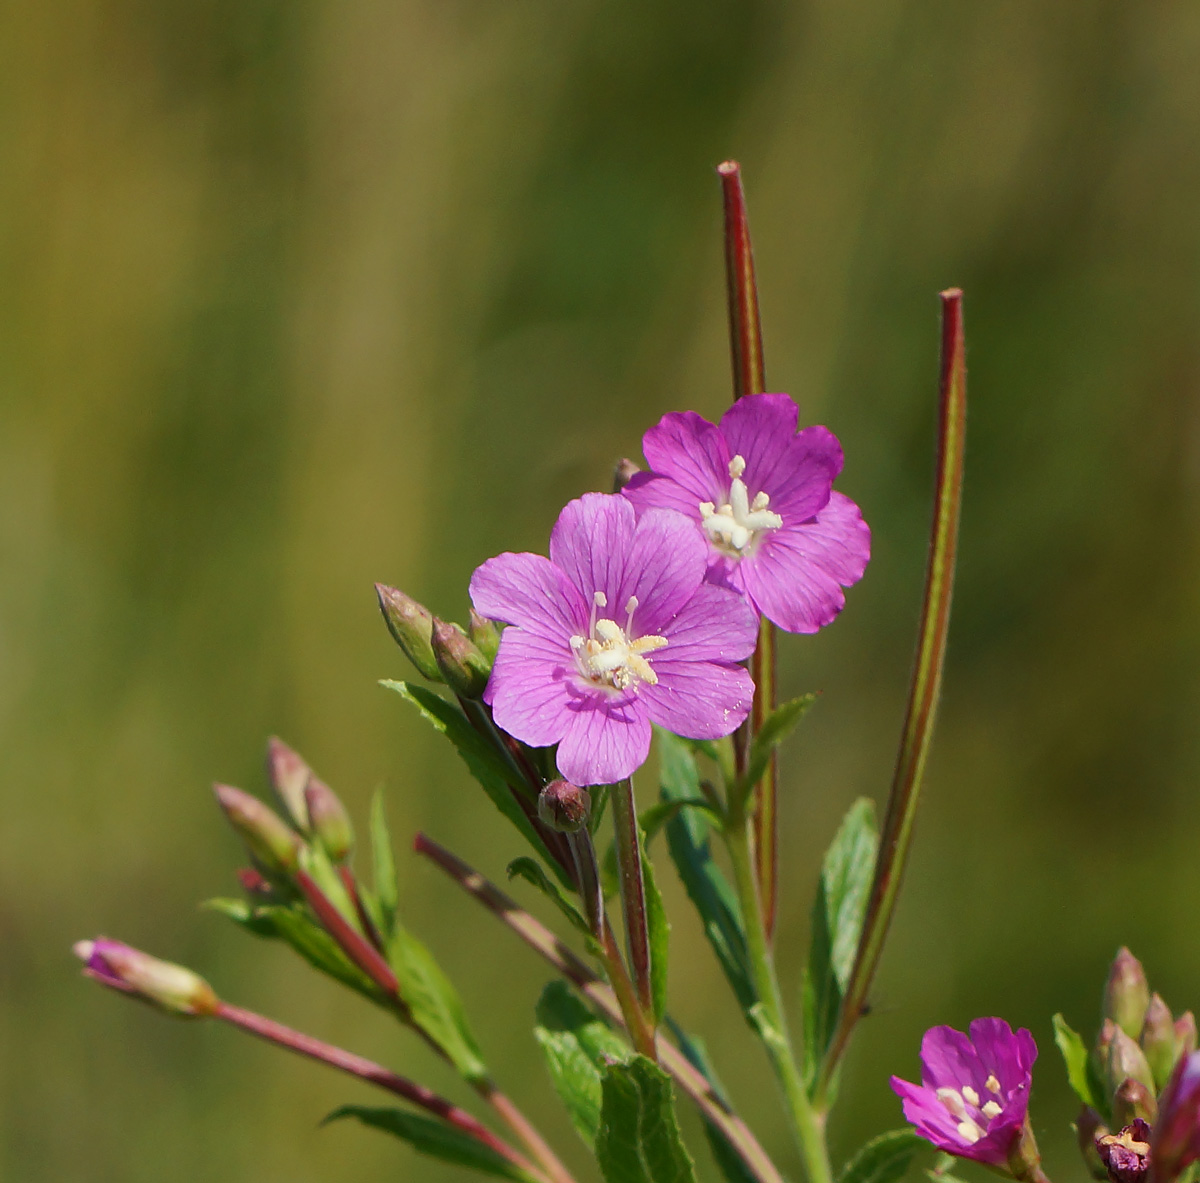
x=1088 y=1129
x=268 y=838
x=485 y=634
x=329 y=820
x=170 y=987
x=1126 y=1062
x=1126 y=993
x=411 y=626
x=1133 y=1101
x=1127 y=1154
x=462 y=665
x=623 y=473
x=1185 y=1034
x=289 y=776
x=1175 y=1143
x=564 y=807
x=1158 y=1039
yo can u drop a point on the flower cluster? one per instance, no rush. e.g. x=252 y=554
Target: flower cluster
x=649 y=600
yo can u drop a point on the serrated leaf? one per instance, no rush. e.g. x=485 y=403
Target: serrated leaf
x=533 y=872
x=484 y=763
x=837 y=920
x=383 y=864
x=434 y=1003
x=775 y=729
x=885 y=1159
x=639 y=1140
x=705 y=883
x=435 y=1138
x=575 y=1044
x=1075 y=1056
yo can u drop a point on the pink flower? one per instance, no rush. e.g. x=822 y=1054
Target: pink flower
x=1176 y=1141
x=616 y=630
x=761 y=497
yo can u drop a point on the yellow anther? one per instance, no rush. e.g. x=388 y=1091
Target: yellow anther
x=970 y=1095
x=992 y=1085
x=969 y=1131
x=990 y=1110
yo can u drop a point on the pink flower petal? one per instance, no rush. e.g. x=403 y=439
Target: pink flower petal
x=691 y=451
x=530 y=591
x=607 y=739
x=530 y=689
x=699 y=700
x=590 y=542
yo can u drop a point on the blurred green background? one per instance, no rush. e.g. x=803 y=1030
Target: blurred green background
x=301 y=295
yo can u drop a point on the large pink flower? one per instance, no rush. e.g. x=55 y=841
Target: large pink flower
x=762 y=499
x=616 y=630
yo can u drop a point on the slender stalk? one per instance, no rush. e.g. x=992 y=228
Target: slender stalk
x=633 y=888
x=526 y=1131
x=564 y=961
x=364 y=921
x=896 y=839
x=808 y=1125
x=587 y=875
x=749 y=377
x=372 y=1073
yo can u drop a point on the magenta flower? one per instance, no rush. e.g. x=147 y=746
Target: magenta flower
x=974 y=1093
x=1176 y=1141
x=762 y=499
x=616 y=630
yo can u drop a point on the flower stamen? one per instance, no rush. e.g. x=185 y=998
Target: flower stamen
x=611 y=655
x=733 y=526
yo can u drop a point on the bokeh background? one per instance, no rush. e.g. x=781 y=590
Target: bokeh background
x=298 y=295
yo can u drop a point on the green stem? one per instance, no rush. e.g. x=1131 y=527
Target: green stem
x=808 y=1124
x=633 y=889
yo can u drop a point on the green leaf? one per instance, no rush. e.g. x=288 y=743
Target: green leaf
x=705 y=883
x=837 y=920
x=653 y=819
x=484 y=763
x=638 y=1140
x=576 y=1045
x=659 y=931
x=532 y=872
x=438 y=1139
x=773 y=732
x=434 y=1003
x=1075 y=1056
x=384 y=865
x=940 y=1171
x=885 y=1159
x=244 y=916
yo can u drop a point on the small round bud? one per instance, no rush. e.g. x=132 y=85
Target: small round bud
x=564 y=807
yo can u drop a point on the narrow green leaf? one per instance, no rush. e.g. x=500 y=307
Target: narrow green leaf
x=1075 y=1056
x=885 y=1159
x=244 y=916
x=837 y=919
x=659 y=930
x=705 y=883
x=532 y=872
x=657 y=815
x=435 y=1138
x=575 y=1044
x=383 y=864
x=484 y=763
x=434 y=1003
x=775 y=729
x=639 y=1140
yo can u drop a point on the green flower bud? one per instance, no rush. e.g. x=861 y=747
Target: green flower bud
x=411 y=626
x=1126 y=993
x=1127 y=1061
x=462 y=665
x=330 y=822
x=1131 y=1101
x=564 y=807
x=485 y=634
x=170 y=987
x=269 y=839
x=1185 y=1035
x=1158 y=1041
x=289 y=776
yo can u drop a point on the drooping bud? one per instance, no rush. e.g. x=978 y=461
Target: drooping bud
x=564 y=807
x=1126 y=993
x=1185 y=1034
x=1126 y=1155
x=1133 y=1101
x=1158 y=1039
x=289 y=776
x=170 y=987
x=269 y=839
x=623 y=473
x=1088 y=1129
x=463 y=667
x=329 y=820
x=485 y=634
x=1175 y=1143
x=411 y=626
x=1127 y=1061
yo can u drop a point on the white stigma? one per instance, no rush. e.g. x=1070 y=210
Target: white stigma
x=733 y=526
x=612 y=655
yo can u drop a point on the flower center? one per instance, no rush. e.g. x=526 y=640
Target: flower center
x=610 y=655
x=733 y=526
x=964 y=1106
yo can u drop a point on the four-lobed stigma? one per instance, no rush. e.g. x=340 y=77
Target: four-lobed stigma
x=733 y=526
x=610 y=655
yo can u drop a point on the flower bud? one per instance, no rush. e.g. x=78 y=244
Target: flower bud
x=1133 y=1101
x=1158 y=1039
x=564 y=807
x=411 y=626
x=1175 y=1143
x=463 y=667
x=624 y=472
x=1023 y=1156
x=1185 y=1034
x=1127 y=1061
x=1126 y=1155
x=1126 y=993
x=485 y=634
x=289 y=775
x=1088 y=1129
x=170 y=987
x=268 y=838
x=329 y=820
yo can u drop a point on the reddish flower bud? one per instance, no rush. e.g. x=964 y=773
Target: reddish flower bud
x=170 y=987
x=459 y=660
x=564 y=807
x=1175 y=1144
x=1126 y=993
x=289 y=776
x=329 y=820
x=1133 y=1101
x=1127 y=1061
